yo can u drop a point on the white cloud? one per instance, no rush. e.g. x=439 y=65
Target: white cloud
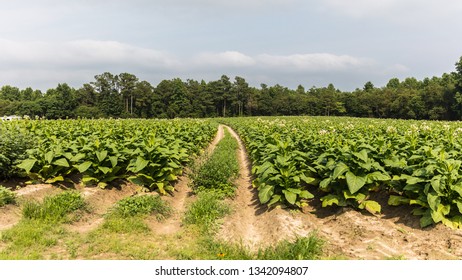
x=315 y=62
x=395 y=10
x=223 y=59
x=80 y=54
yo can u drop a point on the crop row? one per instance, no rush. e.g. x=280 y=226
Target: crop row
x=343 y=160
x=150 y=153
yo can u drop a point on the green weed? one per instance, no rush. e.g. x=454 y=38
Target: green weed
x=6 y=196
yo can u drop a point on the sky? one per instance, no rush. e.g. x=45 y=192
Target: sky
x=287 y=42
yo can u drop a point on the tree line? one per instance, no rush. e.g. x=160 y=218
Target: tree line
x=125 y=96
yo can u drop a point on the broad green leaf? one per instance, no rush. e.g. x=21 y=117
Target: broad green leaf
x=426 y=219
x=275 y=199
x=61 y=162
x=290 y=196
x=357 y=196
x=410 y=180
x=86 y=180
x=102 y=185
x=296 y=191
x=457 y=188
x=306 y=194
x=140 y=164
x=340 y=169
x=104 y=169
x=436 y=183
x=306 y=179
x=113 y=160
x=160 y=186
x=355 y=183
x=324 y=185
x=395 y=200
x=27 y=164
x=101 y=155
x=433 y=201
x=77 y=157
x=84 y=166
x=330 y=200
x=362 y=155
x=49 y=156
x=265 y=193
x=371 y=206
x=54 y=180
x=378 y=176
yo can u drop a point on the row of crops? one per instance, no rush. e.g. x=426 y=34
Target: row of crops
x=150 y=153
x=345 y=160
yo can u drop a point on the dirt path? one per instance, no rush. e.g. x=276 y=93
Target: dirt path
x=181 y=196
x=349 y=233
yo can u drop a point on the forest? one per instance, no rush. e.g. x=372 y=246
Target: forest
x=125 y=96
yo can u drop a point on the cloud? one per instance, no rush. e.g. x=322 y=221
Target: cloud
x=395 y=10
x=223 y=59
x=315 y=62
x=81 y=54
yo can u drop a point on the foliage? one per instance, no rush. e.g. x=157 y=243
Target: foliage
x=302 y=248
x=14 y=141
x=345 y=159
x=6 y=196
x=150 y=153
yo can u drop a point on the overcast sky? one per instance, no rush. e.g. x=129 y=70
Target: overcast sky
x=287 y=42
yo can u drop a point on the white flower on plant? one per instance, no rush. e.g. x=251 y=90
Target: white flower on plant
x=391 y=129
x=323 y=131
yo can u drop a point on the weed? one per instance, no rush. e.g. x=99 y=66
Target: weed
x=141 y=205
x=6 y=196
x=206 y=210
x=55 y=209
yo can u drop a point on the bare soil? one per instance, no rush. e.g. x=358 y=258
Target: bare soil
x=351 y=234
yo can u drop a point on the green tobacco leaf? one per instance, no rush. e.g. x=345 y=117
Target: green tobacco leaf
x=84 y=166
x=77 y=157
x=306 y=194
x=290 y=196
x=426 y=219
x=395 y=200
x=275 y=199
x=101 y=155
x=113 y=161
x=306 y=179
x=340 y=169
x=378 y=176
x=86 y=180
x=104 y=169
x=436 y=183
x=371 y=206
x=410 y=180
x=49 y=156
x=54 y=180
x=61 y=162
x=355 y=183
x=457 y=188
x=27 y=164
x=362 y=155
x=324 y=185
x=265 y=193
x=433 y=201
x=330 y=200
x=140 y=164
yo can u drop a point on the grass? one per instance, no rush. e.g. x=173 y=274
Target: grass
x=127 y=216
x=206 y=210
x=218 y=173
x=6 y=196
x=55 y=209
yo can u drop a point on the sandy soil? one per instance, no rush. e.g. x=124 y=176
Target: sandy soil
x=349 y=233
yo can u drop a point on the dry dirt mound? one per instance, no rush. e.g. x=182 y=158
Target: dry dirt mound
x=348 y=233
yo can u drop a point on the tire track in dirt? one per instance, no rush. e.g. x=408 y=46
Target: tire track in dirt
x=181 y=194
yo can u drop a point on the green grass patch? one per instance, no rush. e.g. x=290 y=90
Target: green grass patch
x=140 y=206
x=206 y=210
x=6 y=196
x=55 y=209
x=303 y=248
x=30 y=239
x=218 y=173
